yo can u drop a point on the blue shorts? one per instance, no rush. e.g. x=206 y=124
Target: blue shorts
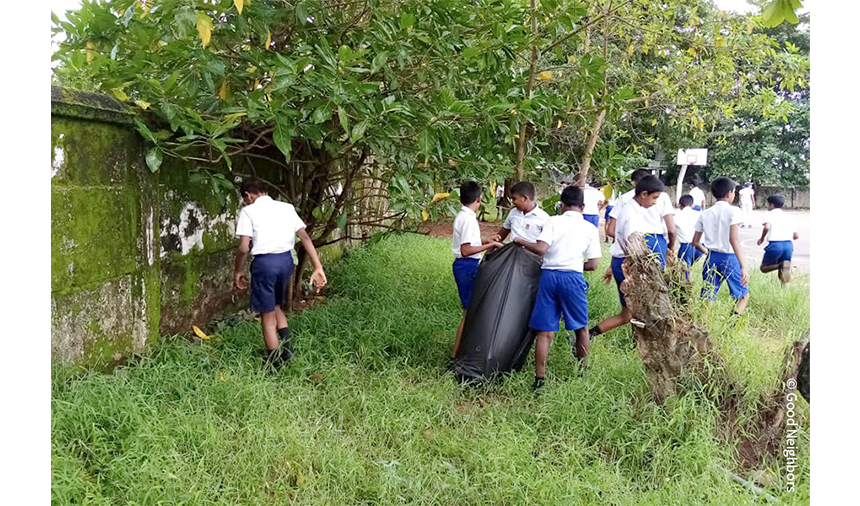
x=697 y=208
x=270 y=277
x=656 y=243
x=719 y=267
x=777 y=252
x=465 y=271
x=594 y=219
x=606 y=214
x=560 y=293
x=688 y=253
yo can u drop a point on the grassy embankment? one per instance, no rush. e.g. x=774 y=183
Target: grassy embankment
x=368 y=414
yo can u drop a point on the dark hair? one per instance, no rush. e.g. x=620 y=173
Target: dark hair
x=649 y=184
x=685 y=201
x=638 y=174
x=469 y=192
x=573 y=196
x=253 y=186
x=776 y=200
x=721 y=187
x=524 y=189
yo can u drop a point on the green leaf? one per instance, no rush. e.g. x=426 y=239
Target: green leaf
x=144 y=130
x=341 y=221
x=302 y=14
x=154 y=157
x=322 y=113
x=378 y=61
x=283 y=140
x=344 y=119
x=427 y=141
x=358 y=130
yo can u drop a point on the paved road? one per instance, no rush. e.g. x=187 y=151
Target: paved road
x=754 y=252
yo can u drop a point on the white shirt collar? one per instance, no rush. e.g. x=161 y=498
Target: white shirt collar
x=572 y=213
x=468 y=211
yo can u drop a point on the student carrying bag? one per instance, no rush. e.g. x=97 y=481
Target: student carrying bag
x=496 y=335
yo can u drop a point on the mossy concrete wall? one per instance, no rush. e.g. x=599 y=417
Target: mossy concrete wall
x=134 y=254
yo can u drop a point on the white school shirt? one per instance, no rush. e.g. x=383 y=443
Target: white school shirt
x=571 y=241
x=466 y=231
x=685 y=224
x=654 y=222
x=526 y=225
x=746 y=195
x=698 y=196
x=270 y=224
x=632 y=218
x=592 y=198
x=715 y=223
x=781 y=228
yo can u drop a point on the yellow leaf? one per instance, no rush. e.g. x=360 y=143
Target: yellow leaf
x=570 y=59
x=546 y=75
x=256 y=84
x=119 y=94
x=222 y=376
x=200 y=333
x=750 y=25
x=718 y=42
x=426 y=161
x=513 y=112
x=439 y=196
x=424 y=215
x=645 y=48
x=653 y=122
x=409 y=29
x=143 y=104
x=692 y=51
x=239 y=4
x=223 y=93
x=559 y=124
x=91 y=51
x=452 y=163
x=204 y=28
x=630 y=49
x=268 y=39
x=251 y=69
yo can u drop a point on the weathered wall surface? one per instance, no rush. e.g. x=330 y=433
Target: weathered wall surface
x=134 y=254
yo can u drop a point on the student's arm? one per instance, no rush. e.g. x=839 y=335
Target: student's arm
x=318 y=275
x=764 y=233
x=591 y=265
x=240 y=281
x=539 y=247
x=610 y=228
x=796 y=236
x=502 y=235
x=670 y=230
x=735 y=241
x=697 y=242
x=467 y=250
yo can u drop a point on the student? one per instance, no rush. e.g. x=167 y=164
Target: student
x=685 y=223
x=639 y=214
x=698 y=198
x=267 y=230
x=746 y=195
x=724 y=261
x=594 y=200
x=500 y=200
x=569 y=245
x=779 y=234
x=610 y=205
x=526 y=219
x=664 y=209
x=467 y=246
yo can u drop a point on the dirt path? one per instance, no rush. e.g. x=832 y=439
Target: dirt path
x=446 y=228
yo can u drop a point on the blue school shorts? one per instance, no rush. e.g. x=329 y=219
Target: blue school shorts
x=697 y=208
x=465 y=271
x=777 y=252
x=594 y=219
x=270 y=277
x=560 y=294
x=656 y=243
x=688 y=253
x=606 y=214
x=718 y=267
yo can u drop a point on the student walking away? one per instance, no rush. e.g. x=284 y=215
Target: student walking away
x=569 y=245
x=779 y=232
x=698 y=198
x=267 y=230
x=526 y=219
x=717 y=236
x=642 y=214
x=747 y=197
x=594 y=200
x=467 y=246
x=611 y=198
x=664 y=208
x=685 y=223
x=500 y=200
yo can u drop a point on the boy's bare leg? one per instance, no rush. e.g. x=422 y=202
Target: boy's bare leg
x=270 y=330
x=583 y=341
x=459 y=336
x=769 y=267
x=742 y=304
x=281 y=318
x=618 y=320
x=784 y=272
x=542 y=342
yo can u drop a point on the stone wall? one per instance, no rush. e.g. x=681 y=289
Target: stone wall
x=134 y=254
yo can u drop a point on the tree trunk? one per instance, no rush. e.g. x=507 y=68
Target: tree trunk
x=521 y=141
x=678 y=355
x=589 y=148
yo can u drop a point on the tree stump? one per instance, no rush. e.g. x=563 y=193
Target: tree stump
x=675 y=350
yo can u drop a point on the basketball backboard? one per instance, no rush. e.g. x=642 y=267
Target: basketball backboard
x=693 y=157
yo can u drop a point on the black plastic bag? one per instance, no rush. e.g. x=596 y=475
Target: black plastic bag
x=496 y=335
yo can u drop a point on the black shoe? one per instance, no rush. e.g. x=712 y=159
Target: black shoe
x=272 y=359
x=538 y=385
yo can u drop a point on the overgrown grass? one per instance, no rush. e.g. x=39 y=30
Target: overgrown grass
x=367 y=413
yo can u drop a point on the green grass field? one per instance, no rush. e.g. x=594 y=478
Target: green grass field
x=367 y=413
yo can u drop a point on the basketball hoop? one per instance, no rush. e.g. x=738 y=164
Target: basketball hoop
x=691 y=159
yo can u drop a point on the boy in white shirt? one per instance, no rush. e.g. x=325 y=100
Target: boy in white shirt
x=271 y=227
x=526 y=219
x=698 y=198
x=779 y=233
x=661 y=214
x=593 y=200
x=685 y=223
x=636 y=215
x=569 y=245
x=719 y=225
x=467 y=246
x=747 y=197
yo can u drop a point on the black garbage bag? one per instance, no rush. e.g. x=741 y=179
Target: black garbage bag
x=496 y=335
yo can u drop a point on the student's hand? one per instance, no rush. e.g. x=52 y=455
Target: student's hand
x=760 y=241
x=745 y=277
x=496 y=238
x=240 y=281
x=497 y=244
x=607 y=276
x=318 y=279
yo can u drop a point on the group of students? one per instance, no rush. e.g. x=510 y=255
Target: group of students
x=569 y=244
